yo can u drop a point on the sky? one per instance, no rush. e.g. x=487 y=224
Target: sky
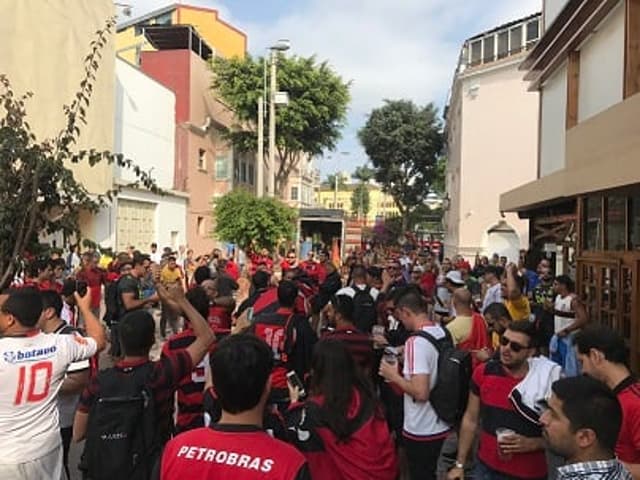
x=402 y=49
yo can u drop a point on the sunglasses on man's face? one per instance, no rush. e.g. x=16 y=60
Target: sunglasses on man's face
x=514 y=346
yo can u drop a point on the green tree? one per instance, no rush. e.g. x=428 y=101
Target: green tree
x=38 y=192
x=330 y=180
x=364 y=174
x=360 y=198
x=360 y=202
x=404 y=142
x=249 y=221
x=310 y=124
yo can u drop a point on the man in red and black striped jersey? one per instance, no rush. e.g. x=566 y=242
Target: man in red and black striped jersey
x=190 y=392
x=340 y=315
x=137 y=336
x=236 y=447
x=290 y=337
x=603 y=355
x=520 y=452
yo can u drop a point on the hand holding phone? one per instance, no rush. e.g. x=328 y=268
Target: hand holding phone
x=296 y=387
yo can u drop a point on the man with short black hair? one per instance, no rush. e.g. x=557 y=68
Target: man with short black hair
x=518 y=453
x=340 y=313
x=423 y=431
x=290 y=337
x=581 y=424
x=570 y=315
x=236 y=447
x=364 y=299
x=130 y=287
x=602 y=355
x=137 y=336
x=33 y=366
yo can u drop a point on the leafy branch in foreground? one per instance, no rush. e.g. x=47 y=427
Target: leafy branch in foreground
x=38 y=191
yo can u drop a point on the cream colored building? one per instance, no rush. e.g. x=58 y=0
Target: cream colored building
x=584 y=205
x=48 y=61
x=492 y=138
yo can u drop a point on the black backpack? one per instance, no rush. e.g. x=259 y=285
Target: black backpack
x=122 y=440
x=449 y=397
x=112 y=303
x=364 y=309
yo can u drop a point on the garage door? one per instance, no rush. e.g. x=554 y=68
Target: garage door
x=135 y=224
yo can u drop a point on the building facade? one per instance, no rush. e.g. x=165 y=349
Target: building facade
x=584 y=207
x=173 y=45
x=71 y=26
x=204 y=161
x=492 y=141
x=145 y=131
x=381 y=205
x=301 y=185
x=225 y=39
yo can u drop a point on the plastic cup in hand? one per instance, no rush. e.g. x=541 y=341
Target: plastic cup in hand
x=502 y=434
x=377 y=331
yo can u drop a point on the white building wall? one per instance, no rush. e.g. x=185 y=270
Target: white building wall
x=602 y=66
x=498 y=151
x=551 y=10
x=553 y=127
x=145 y=124
x=145 y=133
x=170 y=217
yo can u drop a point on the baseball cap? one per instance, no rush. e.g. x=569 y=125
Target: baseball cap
x=455 y=277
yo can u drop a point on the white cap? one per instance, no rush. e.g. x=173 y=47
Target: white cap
x=455 y=277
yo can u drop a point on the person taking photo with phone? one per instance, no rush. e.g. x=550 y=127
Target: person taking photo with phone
x=340 y=428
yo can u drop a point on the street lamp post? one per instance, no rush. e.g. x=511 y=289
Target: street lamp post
x=280 y=46
x=260 y=160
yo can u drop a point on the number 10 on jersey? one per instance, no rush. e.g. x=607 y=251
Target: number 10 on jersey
x=37 y=380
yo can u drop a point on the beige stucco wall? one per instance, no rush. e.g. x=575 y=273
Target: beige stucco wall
x=202 y=185
x=45 y=43
x=498 y=149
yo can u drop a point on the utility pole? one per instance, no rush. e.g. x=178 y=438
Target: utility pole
x=260 y=160
x=272 y=126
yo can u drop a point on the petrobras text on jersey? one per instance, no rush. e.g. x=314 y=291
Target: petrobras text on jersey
x=29 y=355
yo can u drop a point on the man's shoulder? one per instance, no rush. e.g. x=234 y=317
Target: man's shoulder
x=128 y=282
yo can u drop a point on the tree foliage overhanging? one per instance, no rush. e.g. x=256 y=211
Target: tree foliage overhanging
x=309 y=125
x=404 y=142
x=38 y=191
x=252 y=222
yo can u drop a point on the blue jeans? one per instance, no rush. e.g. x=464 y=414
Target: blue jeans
x=482 y=472
x=562 y=351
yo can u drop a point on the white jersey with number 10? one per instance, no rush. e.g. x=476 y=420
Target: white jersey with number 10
x=32 y=369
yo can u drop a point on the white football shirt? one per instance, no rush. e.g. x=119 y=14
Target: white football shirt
x=32 y=369
x=421 y=358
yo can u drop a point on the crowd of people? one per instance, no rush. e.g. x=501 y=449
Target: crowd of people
x=395 y=364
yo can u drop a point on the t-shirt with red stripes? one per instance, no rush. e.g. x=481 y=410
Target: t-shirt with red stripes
x=238 y=452
x=492 y=383
x=628 y=447
x=190 y=391
x=359 y=344
x=167 y=373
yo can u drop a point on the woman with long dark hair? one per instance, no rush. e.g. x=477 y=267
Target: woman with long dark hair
x=340 y=428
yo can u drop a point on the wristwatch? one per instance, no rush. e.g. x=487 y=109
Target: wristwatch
x=459 y=465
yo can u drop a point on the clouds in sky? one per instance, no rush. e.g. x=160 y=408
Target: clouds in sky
x=388 y=49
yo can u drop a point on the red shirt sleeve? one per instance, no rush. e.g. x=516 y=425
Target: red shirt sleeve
x=88 y=396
